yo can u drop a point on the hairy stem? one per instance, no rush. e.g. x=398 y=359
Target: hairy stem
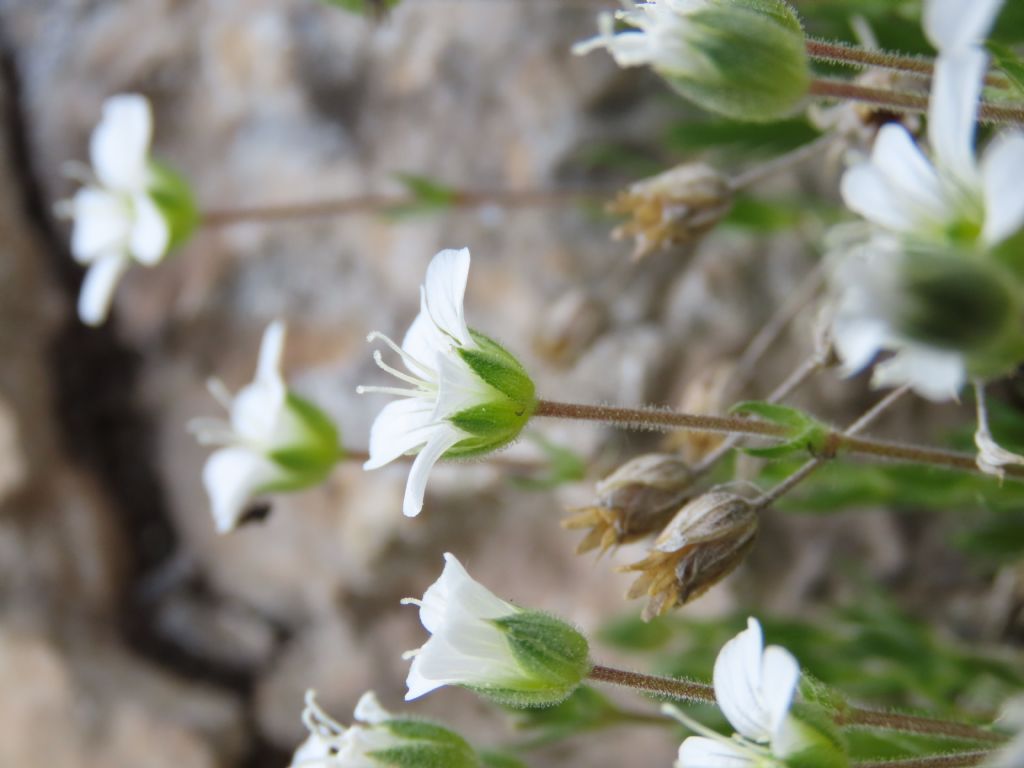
x=903 y=101
x=858 y=56
x=675 y=688
x=957 y=760
x=701 y=693
x=665 y=420
x=503 y=198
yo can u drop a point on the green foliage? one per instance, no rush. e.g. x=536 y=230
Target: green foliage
x=310 y=460
x=174 y=198
x=422 y=744
x=493 y=759
x=427 y=196
x=805 y=433
x=364 y=7
x=1011 y=65
x=585 y=710
x=739 y=139
x=563 y=466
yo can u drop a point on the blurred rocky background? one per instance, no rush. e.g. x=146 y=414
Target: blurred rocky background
x=131 y=634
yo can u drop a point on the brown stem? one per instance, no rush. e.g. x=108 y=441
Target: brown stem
x=902 y=101
x=896 y=721
x=667 y=420
x=658 y=420
x=959 y=760
x=504 y=198
x=843 y=53
x=675 y=688
x=702 y=693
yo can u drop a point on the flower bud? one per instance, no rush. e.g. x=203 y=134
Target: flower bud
x=379 y=738
x=705 y=541
x=745 y=59
x=633 y=501
x=672 y=208
x=516 y=657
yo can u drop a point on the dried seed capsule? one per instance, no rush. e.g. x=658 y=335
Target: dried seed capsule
x=705 y=541
x=634 y=501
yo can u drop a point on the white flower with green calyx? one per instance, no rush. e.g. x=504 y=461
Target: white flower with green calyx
x=130 y=209
x=274 y=440
x=517 y=657
x=378 y=739
x=755 y=689
x=465 y=394
x=745 y=59
x=937 y=278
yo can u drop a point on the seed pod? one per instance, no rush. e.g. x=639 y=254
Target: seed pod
x=672 y=208
x=705 y=541
x=634 y=501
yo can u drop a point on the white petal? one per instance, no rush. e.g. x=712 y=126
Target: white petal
x=102 y=223
x=119 y=147
x=897 y=156
x=231 y=476
x=402 y=426
x=935 y=374
x=780 y=673
x=443 y=438
x=857 y=341
x=992 y=457
x=98 y=288
x=419 y=684
x=424 y=342
x=737 y=680
x=150 y=236
x=702 y=752
x=369 y=710
x=956 y=90
x=455 y=585
x=444 y=290
x=866 y=191
x=1002 y=172
x=956 y=24
x=256 y=411
x=314 y=751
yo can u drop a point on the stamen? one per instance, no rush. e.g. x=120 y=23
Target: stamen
x=362 y=390
x=378 y=358
x=411 y=601
x=410 y=362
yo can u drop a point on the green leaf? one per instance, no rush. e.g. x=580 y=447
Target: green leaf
x=427 y=196
x=585 y=710
x=805 y=434
x=739 y=138
x=364 y=7
x=631 y=633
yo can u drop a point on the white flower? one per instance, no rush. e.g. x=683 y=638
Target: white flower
x=332 y=745
x=116 y=218
x=992 y=457
x=273 y=441
x=754 y=688
x=514 y=656
x=465 y=647
x=465 y=395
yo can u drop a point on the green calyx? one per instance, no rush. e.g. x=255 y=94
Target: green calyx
x=554 y=657
x=750 y=61
x=422 y=744
x=500 y=418
x=809 y=738
x=173 y=197
x=314 y=452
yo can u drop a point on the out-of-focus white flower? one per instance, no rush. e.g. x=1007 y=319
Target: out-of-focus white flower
x=377 y=739
x=921 y=282
x=274 y=440
x=479 y=641
x=129 y=209
x=992 y=457
x=464 y=394
x=693 y=45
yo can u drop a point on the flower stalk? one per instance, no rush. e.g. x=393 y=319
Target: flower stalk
x=666 y=420
x=695 y=692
